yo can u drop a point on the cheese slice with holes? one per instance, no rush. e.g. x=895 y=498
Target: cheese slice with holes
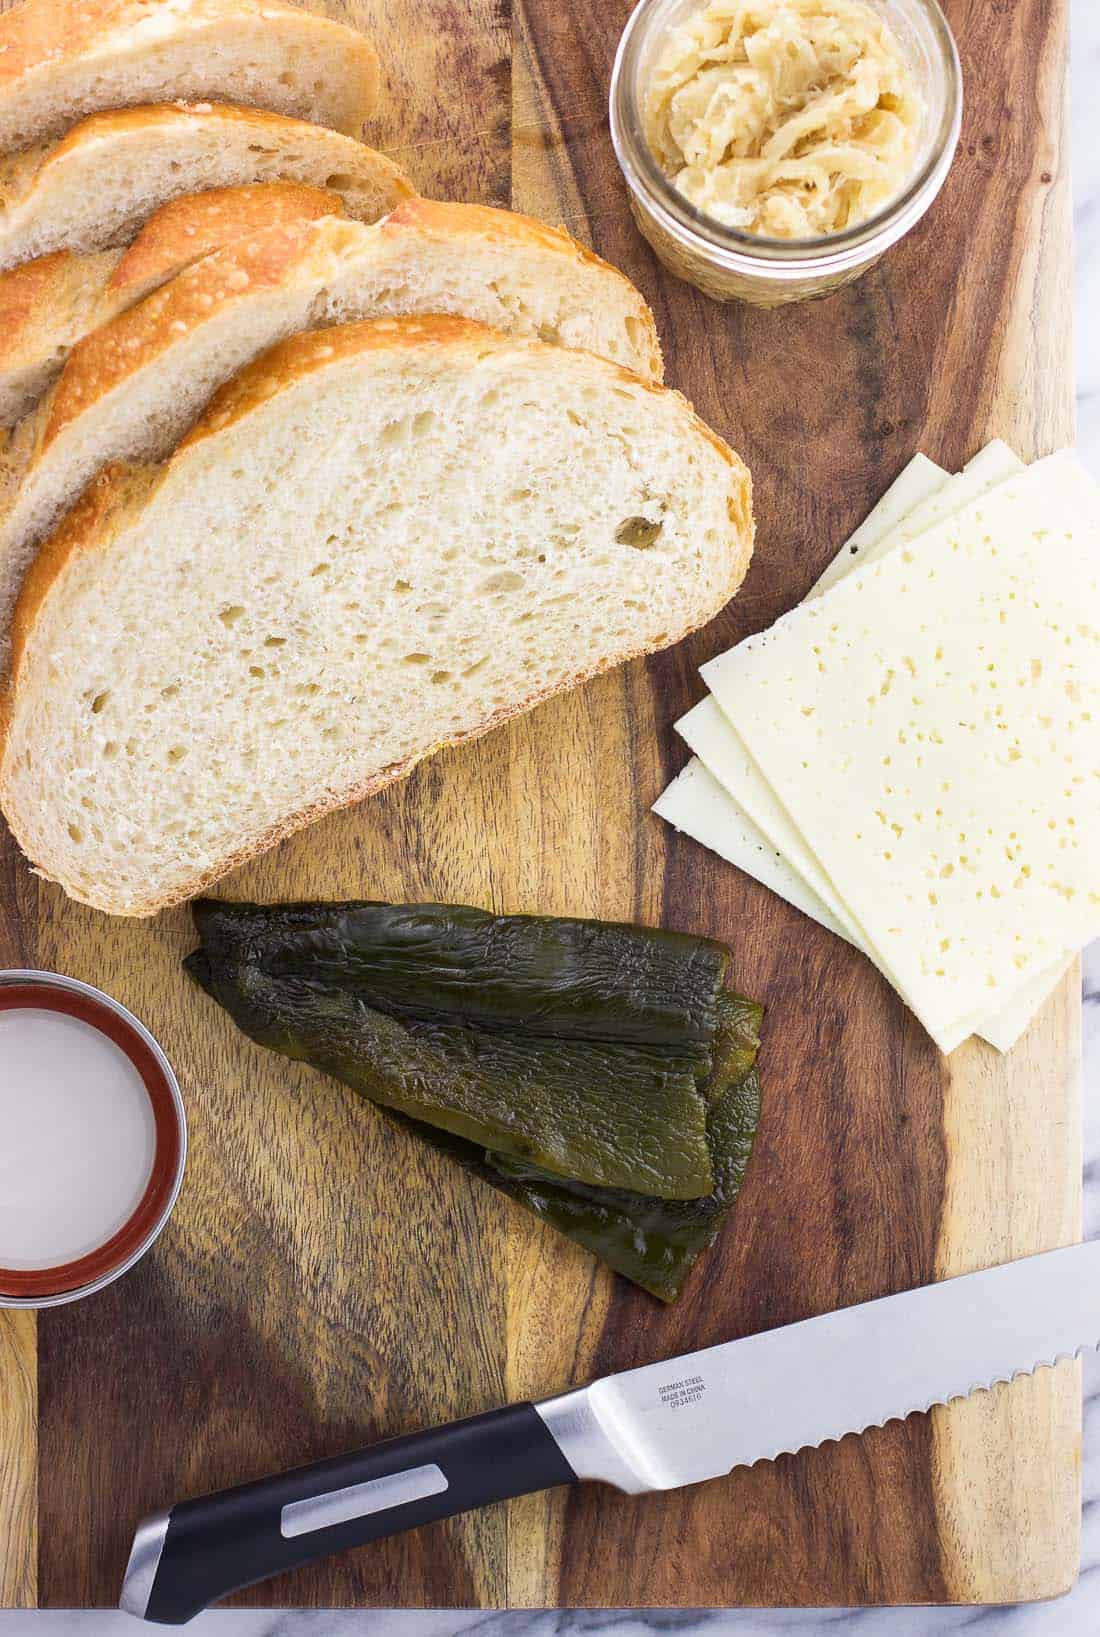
x=934 y=723
x=918 y=499
x=701 y=808
x=698 y=805
x=714 y=738
x=915 y=484
x=768 y=846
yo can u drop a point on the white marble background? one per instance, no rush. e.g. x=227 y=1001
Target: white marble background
x=1077 y=1615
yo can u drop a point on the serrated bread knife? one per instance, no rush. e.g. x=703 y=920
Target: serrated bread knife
x=658 y=1427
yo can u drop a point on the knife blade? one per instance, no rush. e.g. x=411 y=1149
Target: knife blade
x=683 y=1421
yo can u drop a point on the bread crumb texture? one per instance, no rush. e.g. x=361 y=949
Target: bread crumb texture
x=381 y=538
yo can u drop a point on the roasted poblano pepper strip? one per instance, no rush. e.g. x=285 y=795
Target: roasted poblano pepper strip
x=468 y=1035
x=544 y=975
x=612 y=1115
x=652 y=1242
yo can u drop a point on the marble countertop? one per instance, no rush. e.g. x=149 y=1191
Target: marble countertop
x=1072 y=1616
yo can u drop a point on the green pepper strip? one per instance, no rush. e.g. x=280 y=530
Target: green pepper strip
x=612 y=1115
x=542 y=975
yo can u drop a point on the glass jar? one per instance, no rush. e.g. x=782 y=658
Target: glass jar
x=733 y=266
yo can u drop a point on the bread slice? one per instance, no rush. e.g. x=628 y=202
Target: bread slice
x=47 y=305
x=131 y=389
x=61 y=60
x=381 y=538
x=95 y=187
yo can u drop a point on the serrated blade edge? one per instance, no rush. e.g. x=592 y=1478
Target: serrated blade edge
x=702 y=1414
x=1066 y=1356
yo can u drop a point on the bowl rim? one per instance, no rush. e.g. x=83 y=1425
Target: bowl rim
x=82 y=1276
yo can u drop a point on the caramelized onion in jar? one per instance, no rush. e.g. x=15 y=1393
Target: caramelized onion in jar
x=786 y=118
x=774 y=149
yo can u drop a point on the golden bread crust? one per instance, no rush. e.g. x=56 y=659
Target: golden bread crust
x=41 y=40
x=131 y=341
x=186 y=229
x=105 y=358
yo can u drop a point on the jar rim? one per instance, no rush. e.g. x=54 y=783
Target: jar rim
x=748 y=252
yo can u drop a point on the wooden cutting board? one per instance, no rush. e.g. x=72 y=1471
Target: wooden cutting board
x=325 y=1280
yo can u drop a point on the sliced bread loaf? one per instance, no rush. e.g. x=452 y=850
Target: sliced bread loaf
x=47 y=305
x=380 y=538
x=63 y=59
x=132 y=388
x=95 y=187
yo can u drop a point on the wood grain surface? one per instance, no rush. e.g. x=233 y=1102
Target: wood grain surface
x=324 y=1280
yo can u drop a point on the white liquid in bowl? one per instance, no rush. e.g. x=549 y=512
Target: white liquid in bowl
x=77 y=1138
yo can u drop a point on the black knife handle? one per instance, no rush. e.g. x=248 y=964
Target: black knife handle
x=211 y=1546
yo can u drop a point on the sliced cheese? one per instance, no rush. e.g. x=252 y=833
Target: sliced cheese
x=917 y=504
x=914 y=484
x=1002 y=1029
x=714 y=739
x=922 y=496
x=945 y=768
x=703 y=808
x=698 y=805
x=758 y=824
